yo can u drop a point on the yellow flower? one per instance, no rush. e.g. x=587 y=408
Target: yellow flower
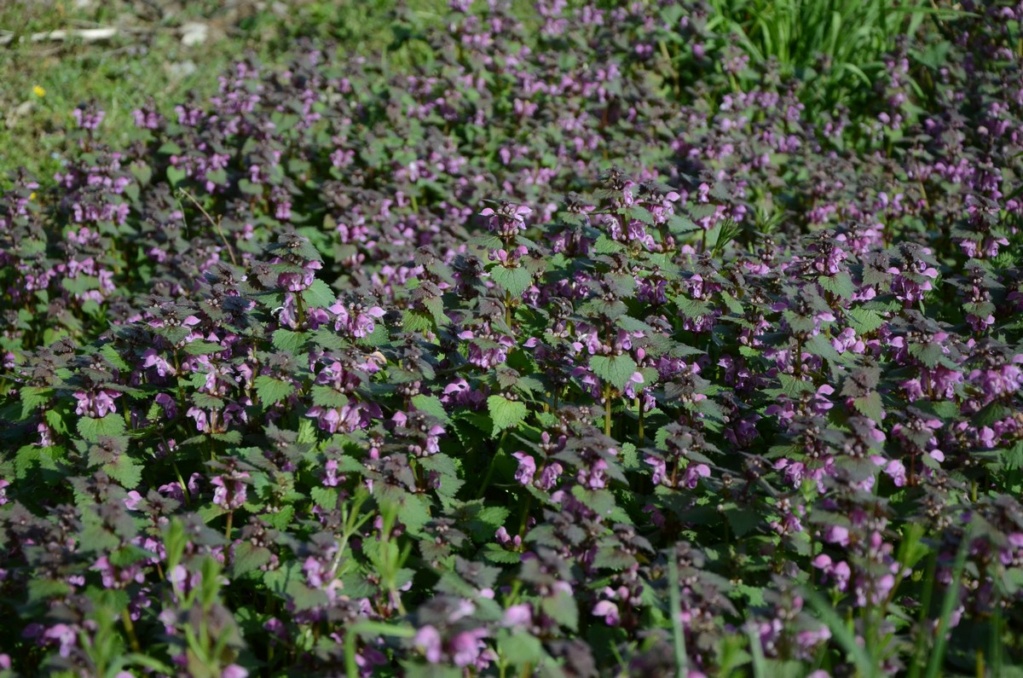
x=32 y=196
x=39 y=91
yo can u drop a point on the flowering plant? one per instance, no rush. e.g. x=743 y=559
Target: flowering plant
x=571 y=351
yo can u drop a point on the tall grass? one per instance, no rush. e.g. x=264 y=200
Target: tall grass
x=840 y=44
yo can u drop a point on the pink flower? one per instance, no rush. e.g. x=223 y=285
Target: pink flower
x=518 y=615
x=607 y=610
x=429 y=643
x=527 y=468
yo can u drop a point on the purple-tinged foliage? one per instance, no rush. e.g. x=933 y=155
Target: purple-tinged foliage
x=351 y=371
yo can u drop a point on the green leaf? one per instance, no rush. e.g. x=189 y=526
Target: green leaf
x=200 y=347
x=484 y=524
x=126 y=471
x=930 y=353
x=819 y=345
x=431 y=405
x=864 y=320
x=605 y=245
x=435 y=305
x=630 y=458
x=793 y=387
x=414 y=513
x=32 y=397
x=741 y=520
x=175 y=176
x=505 y=413
x=514 y=281
x=840 y=284
x=325 y=497
x=113 y=357
x=271 y=390
x=327 y=396
x=616 y=370
x=562 y=609
x=496 y=554
x=247 y=558
x=520 y=649
x=288 y=341
x=870 y=406
x=318 y=295
x=414 y=321
x=93 y=429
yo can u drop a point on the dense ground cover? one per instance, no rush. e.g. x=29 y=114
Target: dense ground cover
x=627 y=343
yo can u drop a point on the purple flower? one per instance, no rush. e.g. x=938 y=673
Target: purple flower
x=608 y=610
x=549 y=476
x=520 y=615
x=527 y=468
x=231 y=490
x=65 y=635
x=466 y=647
x=429 y=643
x=507 y=220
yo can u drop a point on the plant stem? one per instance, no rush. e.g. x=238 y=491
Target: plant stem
x=639 y=408
x=129 y=627
x=607 y=410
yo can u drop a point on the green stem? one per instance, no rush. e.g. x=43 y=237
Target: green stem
x=525 y=515
x=129 y=627
x=639 y=408
x=607 y=410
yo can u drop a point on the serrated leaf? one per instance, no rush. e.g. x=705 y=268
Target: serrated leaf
x=247 y=558
x=741 y=520
x=42 y=590
x=414 y=321
x=485 y=523
x=605 y=245
x=630 y=324
x=324 y=497
x=431 y=405
x=288 y=341
x=126 y=471
x=318 y=295
x=870 y=406
x=1011 y=459
x=271 y=391
x=678 y=224
x=616 y=370
x=514 y=281
x=32 y=397
x=505 y=413
x=930 y=353
x=521 y=649
x=630 y=458
x=840 y=284
x=92 y=429
x=113 y=357
x=280 y=520
x=793 y=387
x=820 y=346
x=496 y=554
x=864 y=320
x=563 y=609
x=327 y=396
x=414 y=513
x=732 y=303
x=691 y=308
x=200 y=347
x=435 y=305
